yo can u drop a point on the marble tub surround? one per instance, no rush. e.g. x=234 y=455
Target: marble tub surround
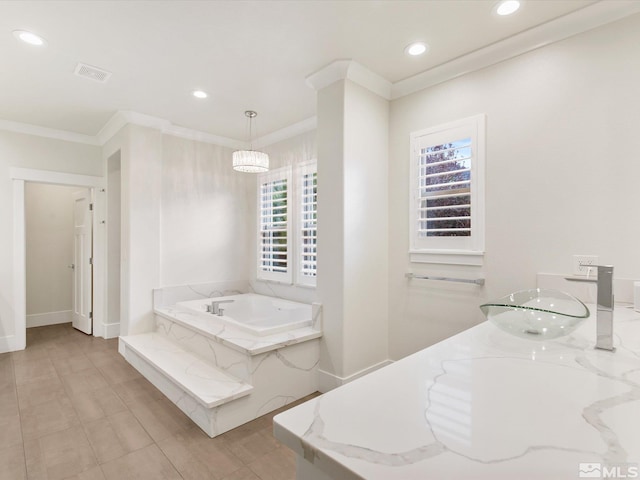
x=480 y=405
x=256 y=314
x=233 y=355
x=167 y=296
x=219 y=375
x=210 y=326
x=189 y=372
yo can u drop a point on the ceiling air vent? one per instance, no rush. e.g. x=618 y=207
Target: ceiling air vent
x=93 y=73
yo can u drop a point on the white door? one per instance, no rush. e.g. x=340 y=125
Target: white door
x=82 y=248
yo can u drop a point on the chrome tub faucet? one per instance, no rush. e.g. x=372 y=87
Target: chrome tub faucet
x=215 y=309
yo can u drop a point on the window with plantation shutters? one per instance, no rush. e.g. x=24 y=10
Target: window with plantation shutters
x=274 y=226
x=447 y=192
x=307 y=228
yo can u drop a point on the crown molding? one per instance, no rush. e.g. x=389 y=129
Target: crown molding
x=45 y=132
x=288 y=132
x=587 y=18
x=143 y=120
x=350 y=70
x=128 y=117
x=204 y=137
x=113 y=126
x=336 y=70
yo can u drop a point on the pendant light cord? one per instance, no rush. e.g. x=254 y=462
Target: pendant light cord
x=250 y=115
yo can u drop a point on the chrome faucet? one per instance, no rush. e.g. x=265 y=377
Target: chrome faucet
x=604 y=314
x=215 y=309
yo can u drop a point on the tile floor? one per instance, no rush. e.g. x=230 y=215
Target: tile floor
x=72 y=408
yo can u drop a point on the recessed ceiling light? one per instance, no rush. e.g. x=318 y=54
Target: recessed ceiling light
x=507 y=7
x=416 y=48
x=200 y=94
x=29 y=37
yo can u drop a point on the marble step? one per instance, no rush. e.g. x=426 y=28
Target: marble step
x=208 y=385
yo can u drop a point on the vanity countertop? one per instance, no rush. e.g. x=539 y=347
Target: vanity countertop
x=483 y=405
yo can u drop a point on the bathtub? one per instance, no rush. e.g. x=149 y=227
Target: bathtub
x=256 y=314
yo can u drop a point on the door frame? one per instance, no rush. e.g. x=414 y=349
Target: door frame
x=96 y=185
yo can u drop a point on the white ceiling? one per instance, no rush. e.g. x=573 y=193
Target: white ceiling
x=245 y=54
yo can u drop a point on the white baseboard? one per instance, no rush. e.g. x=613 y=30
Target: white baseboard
x=328 y=381
x=110 y=330
x=11 y=343
x=49 y=318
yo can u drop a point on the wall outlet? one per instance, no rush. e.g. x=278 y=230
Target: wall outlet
x=581 y=264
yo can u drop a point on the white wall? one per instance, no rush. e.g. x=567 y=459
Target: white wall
x=561 y=178
x=293 y=151
x=352 y=230
x=365 y=228
x=27 y=151
x=141 y=183
x=205 y=212
x=330 y=282
x=184 y=218
x=49 y=250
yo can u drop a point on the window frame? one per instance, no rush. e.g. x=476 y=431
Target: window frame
x=279 y=174
x=463 y=250
x=294 y=176
x=301 y=170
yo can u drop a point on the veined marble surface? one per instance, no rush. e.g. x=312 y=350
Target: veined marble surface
x=210 y=386
x=481 y=405
x=244 y=342
x=166 y=296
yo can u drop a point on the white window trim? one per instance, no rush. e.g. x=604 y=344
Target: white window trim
x=301 y=170
x=280 y=277
x=443 y=250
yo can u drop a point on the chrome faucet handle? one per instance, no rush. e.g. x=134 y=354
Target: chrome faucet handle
x=582 y=280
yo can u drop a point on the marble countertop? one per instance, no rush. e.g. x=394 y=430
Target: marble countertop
x=482 y=405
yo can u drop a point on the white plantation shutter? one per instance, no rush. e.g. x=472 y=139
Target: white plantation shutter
x=447 y=189
x=274 y=226
x=444 y=194
x=307 y=228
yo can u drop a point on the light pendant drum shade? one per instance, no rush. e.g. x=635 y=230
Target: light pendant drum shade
x=250 y=161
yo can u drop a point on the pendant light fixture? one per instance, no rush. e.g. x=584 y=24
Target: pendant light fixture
x=250 y=161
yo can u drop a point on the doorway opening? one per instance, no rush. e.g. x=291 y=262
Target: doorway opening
x=94 y=295
x=58 y=256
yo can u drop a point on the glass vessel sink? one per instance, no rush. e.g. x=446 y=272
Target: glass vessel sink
x=536 y=314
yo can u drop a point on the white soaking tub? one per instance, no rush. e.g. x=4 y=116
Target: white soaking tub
x=256 y=314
